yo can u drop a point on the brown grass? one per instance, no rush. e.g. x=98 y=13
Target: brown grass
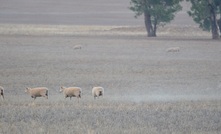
x=148 y=90
x=106 y=116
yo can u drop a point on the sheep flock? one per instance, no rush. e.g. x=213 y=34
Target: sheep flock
x=67 y=91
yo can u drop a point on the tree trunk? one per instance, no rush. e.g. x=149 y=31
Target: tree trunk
x=219 y=21
x=155 y=27
x=215 y=34
x=148 y=25
x=219 y=25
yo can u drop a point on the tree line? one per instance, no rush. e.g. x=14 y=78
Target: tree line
x=207 y=13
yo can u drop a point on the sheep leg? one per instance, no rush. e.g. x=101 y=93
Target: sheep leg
x=33 y=103
x=46 y=95
x=2 y=94
x=100 y=93
x=34 y=97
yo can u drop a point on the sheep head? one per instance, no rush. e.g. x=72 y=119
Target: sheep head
x=61 y=89
x=27 y=89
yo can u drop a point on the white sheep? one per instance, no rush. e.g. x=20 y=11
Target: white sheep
x=97 y=91
x=71 y=92
x=77 y=47
x=2 y=92
x=173 y=49
x=37 y=92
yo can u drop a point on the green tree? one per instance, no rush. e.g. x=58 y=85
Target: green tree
x=204 y=12
x=156 y=12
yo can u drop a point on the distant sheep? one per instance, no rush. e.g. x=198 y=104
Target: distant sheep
x=37 y=92
x=97 y=91
x=71 y=92
x=173 y=49
x=77 y=47
x=2 y=92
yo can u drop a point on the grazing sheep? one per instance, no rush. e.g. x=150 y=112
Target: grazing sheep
x=37 y=92
x=77 y=47
x=2 y=92
x=71 y=92
x=173 y=49
x=97 y=91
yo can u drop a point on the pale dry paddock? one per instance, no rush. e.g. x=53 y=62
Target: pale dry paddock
x=71 y=92
x=2 y=92
x=97 y=91
x=37 y=92
x=136 y=71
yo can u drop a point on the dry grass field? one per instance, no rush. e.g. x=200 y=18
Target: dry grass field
x=147 y=89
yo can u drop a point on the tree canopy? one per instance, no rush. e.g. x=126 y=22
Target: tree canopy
x=156 y=12
x=204 y=12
